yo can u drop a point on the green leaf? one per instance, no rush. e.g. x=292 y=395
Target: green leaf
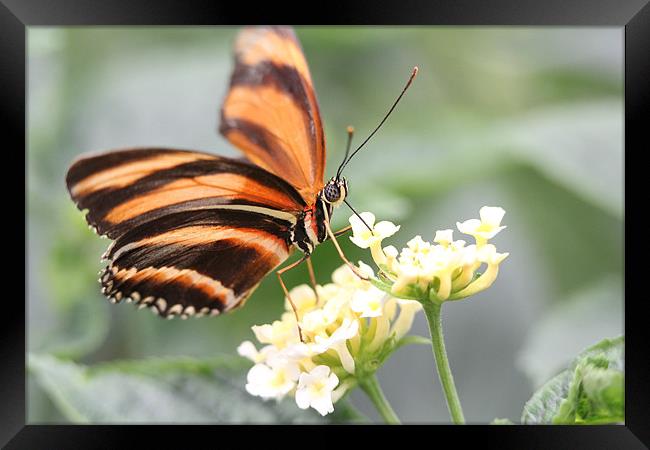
x=590 y=391
x=544 y=404
x=596 y=395
x=163 y=390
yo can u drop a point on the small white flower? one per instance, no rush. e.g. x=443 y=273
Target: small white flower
x=485 y=254
x=469 y=256
x=337 y=341
x=371 y=238
x=458 y=245
x=364 y=237
x=391 y=257
x=274 y=380
x=385 y=229
x=330 y=290
x=369 y=303
x=418 y=245
x=441 y=264
x=366 y=270
x=316 y=322
x=347 y=330
x=408 y=274
x=303 y=297
x=347 y=281
x=444 y=237
x=343 y=275
x=345 y=278
x=315 y=389
x=280 y=333
x=488 y=254
x=492 y=215
x=337 y=309
x=302 y=350
x=480 y=284
x=247 y=350
x=487 y=227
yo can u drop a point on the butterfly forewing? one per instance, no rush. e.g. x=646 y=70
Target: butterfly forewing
x=194 y=233
x=126 y=188
x=271 y=112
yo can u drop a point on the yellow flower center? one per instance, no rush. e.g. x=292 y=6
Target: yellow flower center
x=317 y=388
x=374 y=304
x=366 y=234
x=279 y=379
x=485 y=227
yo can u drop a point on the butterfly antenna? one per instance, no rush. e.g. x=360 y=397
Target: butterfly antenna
x=357 y=214
x=408 y=84
x=347 y=150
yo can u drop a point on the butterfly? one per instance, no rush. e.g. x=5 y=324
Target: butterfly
x=195 y=233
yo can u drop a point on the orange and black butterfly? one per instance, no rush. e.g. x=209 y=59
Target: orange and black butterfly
x=195 y=233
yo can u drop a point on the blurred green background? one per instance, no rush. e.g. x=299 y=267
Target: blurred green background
x=530 y=119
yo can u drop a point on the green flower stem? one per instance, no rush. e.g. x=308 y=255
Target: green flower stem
x=370 y=386
x=432 y=311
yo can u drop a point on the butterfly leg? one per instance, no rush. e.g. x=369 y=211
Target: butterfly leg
x=342 y=231
x=286 y=291
x=312 y=277
x=332 y=236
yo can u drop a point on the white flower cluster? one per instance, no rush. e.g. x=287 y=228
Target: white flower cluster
x=445 y=270
x=349 y=329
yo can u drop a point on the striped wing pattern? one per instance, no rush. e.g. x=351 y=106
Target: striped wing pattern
x=271 y=112
x=193 y=233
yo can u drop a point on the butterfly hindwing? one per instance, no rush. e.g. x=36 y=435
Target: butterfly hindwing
x=194 y=233
x=195 y=262
x=271 y=112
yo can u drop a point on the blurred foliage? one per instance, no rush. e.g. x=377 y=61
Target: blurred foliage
x=527 y=119
x=181 y=390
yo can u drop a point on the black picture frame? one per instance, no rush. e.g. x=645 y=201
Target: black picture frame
x=632 y=15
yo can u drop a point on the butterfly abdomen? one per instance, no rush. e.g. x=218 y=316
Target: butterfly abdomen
x=309 y=230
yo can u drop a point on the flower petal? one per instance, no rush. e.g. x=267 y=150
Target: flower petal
x=247 y=350
x=358 y=225
x=444 y=237
x=492 y=215
x=469 y=226
x=385 y=229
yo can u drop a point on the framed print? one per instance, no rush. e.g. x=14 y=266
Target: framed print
x=421 y=221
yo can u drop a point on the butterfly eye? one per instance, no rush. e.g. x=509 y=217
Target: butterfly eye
x=332 y=193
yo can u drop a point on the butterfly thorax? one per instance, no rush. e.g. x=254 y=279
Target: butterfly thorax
x=310 y=229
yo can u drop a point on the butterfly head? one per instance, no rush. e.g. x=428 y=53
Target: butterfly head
x=335 y=191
